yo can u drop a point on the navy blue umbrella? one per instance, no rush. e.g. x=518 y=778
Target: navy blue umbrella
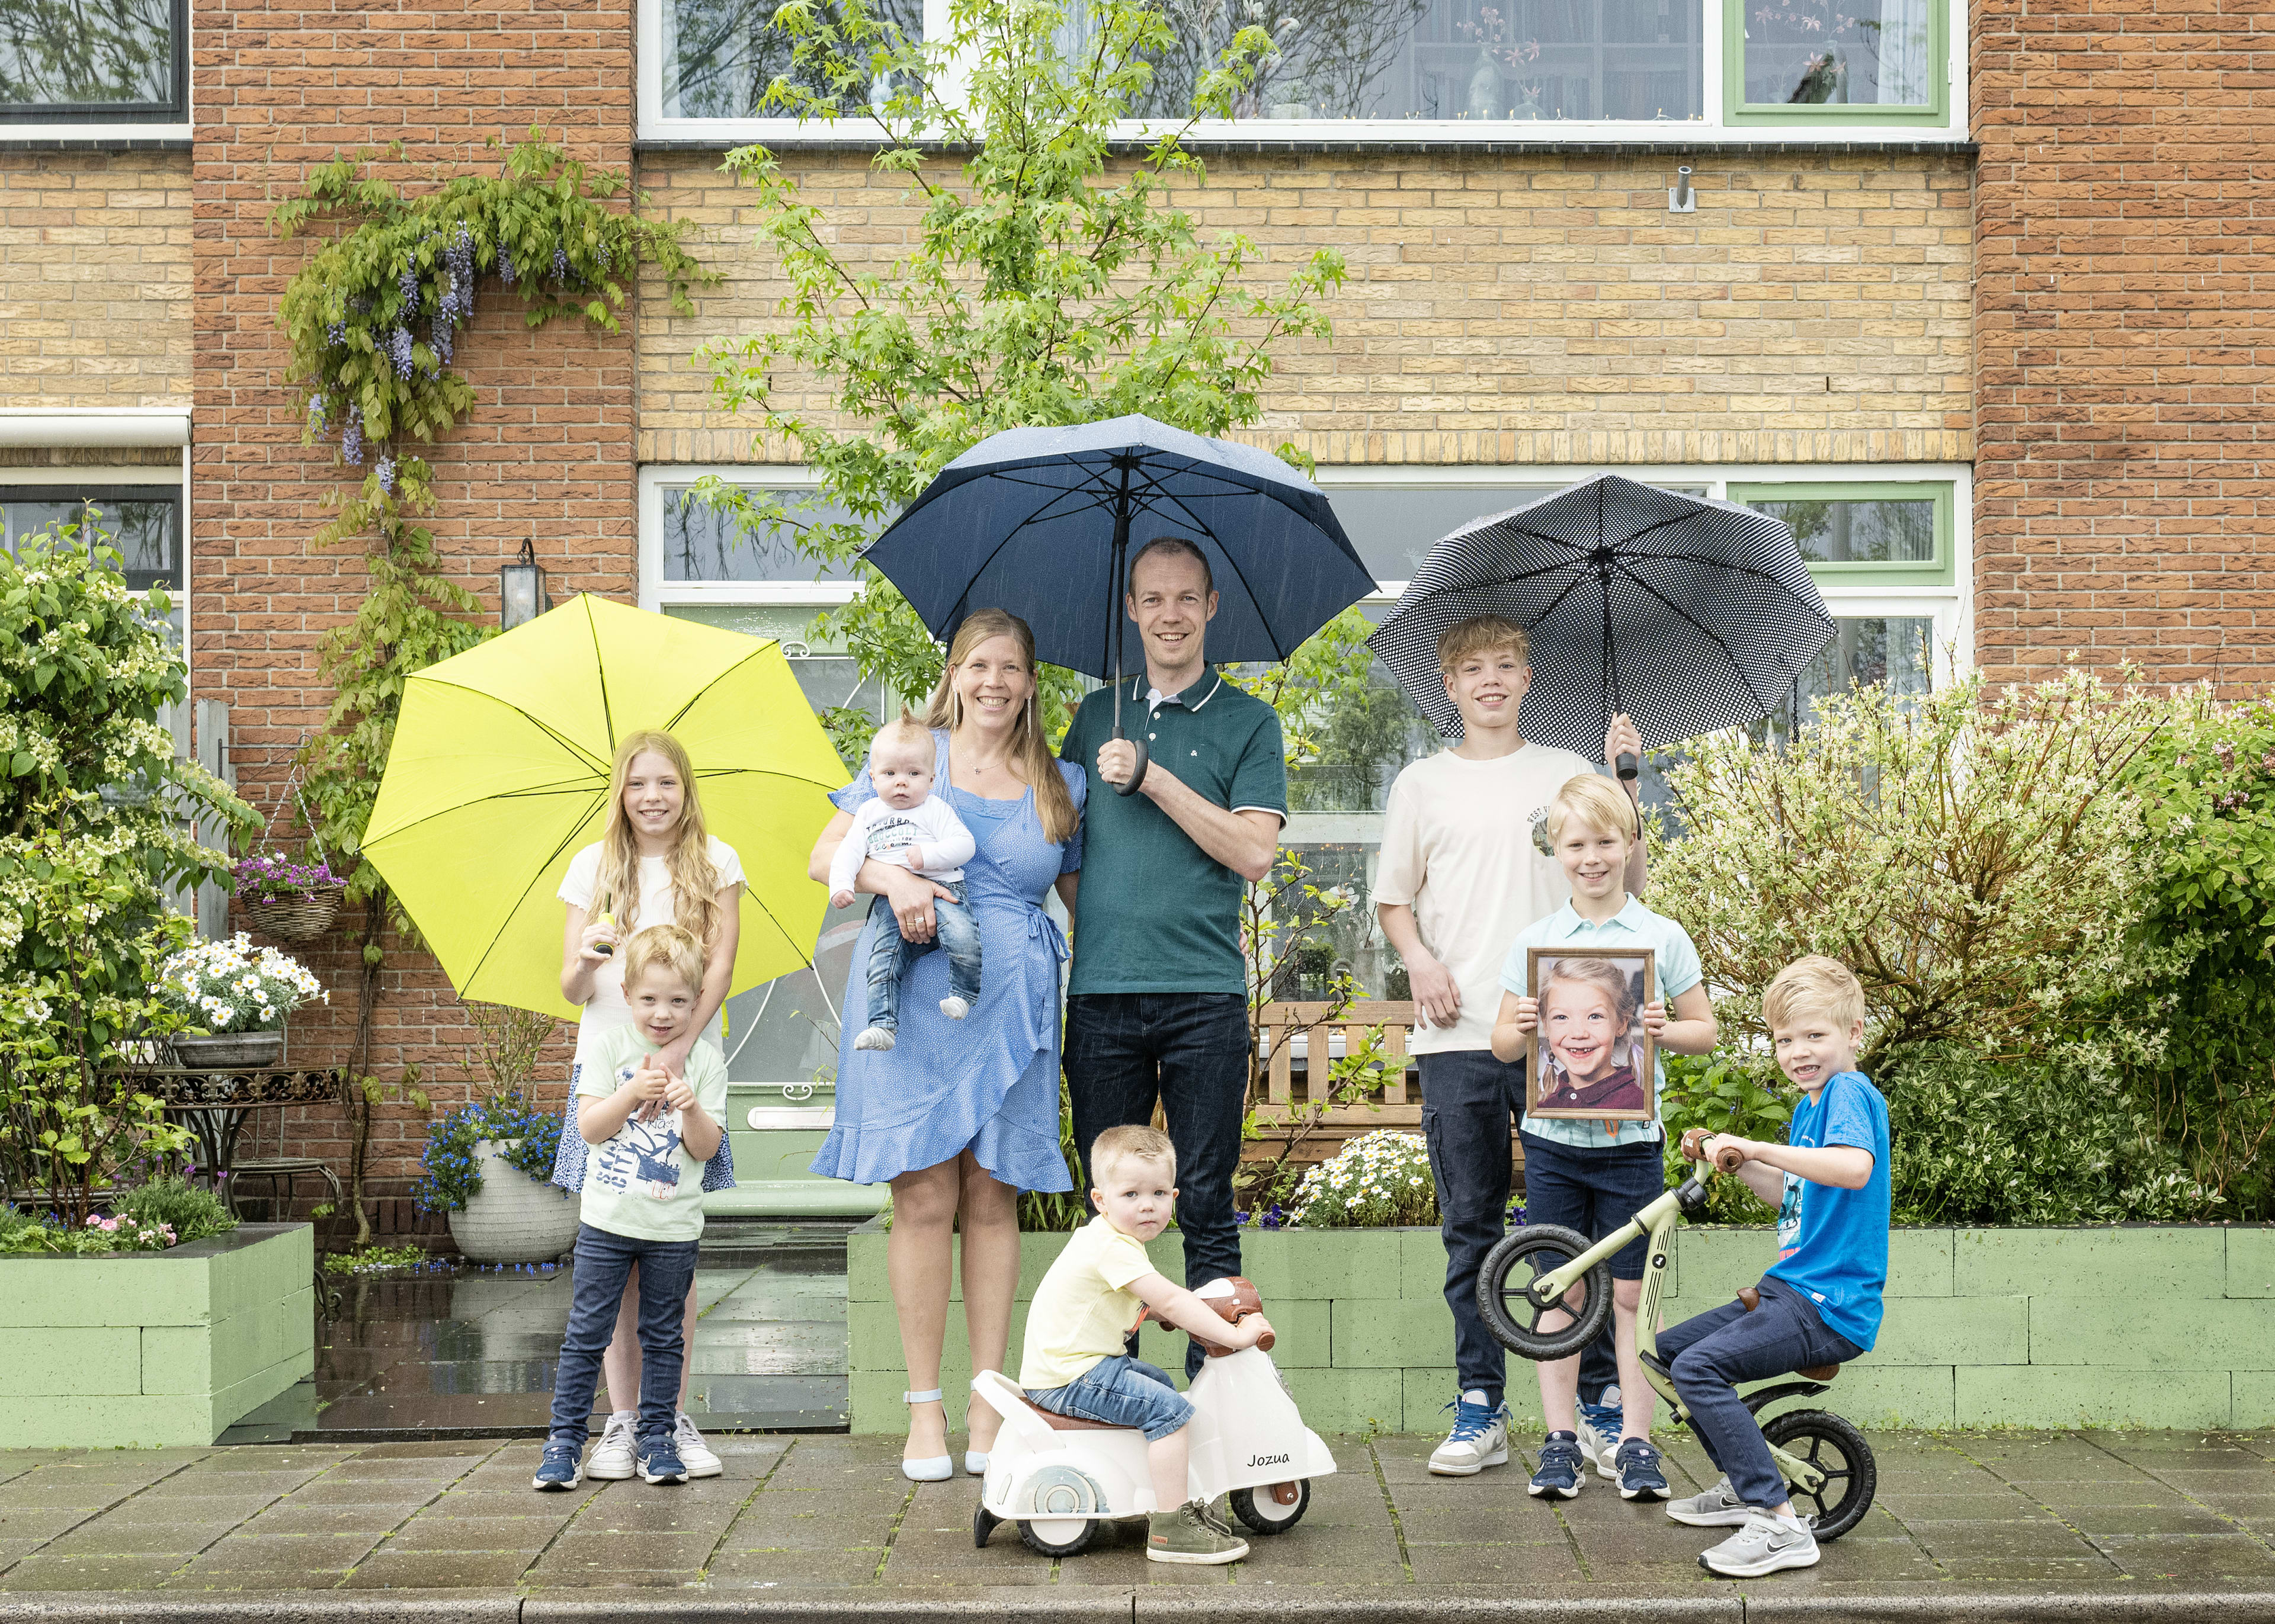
x=1042 y=522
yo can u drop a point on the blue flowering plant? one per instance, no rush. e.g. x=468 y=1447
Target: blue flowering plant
x=526 y=1136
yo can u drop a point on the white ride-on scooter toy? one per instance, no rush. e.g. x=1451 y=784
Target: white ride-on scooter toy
x=1059 y=1478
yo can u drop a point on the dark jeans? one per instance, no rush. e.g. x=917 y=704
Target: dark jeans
x=1594 y=1190
x=1189 y=1050
x=603 y=1259
x=1710 y=1354
x=890 y=955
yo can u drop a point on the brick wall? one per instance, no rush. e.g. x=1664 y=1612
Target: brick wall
x=1503 y=309
x=2123 y=318
x=546 y=453
x=95 y=279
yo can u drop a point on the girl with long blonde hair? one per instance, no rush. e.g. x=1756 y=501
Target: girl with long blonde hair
x=654 y=864
x=960 y=1116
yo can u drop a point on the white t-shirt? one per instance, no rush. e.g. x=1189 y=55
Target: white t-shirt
x=1458 y=846
x=642 y=1182
x=606 y=1009
x=886 y=832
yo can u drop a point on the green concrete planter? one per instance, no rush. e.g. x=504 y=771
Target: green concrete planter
x=148 y=1349
x=2159 y=1326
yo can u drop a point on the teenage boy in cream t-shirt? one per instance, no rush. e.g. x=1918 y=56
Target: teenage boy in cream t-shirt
x=1461 y=872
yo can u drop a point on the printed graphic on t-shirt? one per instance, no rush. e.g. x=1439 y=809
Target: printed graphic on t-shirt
x=890 y=833
x=1540 y=842
x=1789 y=1216
x=642 y=1160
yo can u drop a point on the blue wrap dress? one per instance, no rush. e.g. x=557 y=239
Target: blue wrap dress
x=990 y=1082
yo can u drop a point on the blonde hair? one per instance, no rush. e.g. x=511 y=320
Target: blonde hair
x=1611 y=981
x=1597 y=803
x=1817 y=984
x=1477 y=635
x=905 y=729
x=1131 y=1139
x=694 y=876
x=665 y=946
x=1053 y=801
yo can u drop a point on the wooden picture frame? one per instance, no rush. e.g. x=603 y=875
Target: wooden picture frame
x=1583 y=1009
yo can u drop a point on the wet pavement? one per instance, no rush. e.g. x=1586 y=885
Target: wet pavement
x=439 y=1353
x=2119 y=1519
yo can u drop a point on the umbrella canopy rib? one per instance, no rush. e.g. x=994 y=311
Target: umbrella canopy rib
x=539 y=722
x=1693 y=622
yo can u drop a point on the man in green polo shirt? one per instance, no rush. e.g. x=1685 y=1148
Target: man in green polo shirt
x=1156 y=1005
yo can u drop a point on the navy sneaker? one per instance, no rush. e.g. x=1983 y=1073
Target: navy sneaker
x=560 y=1469
x=1562 y=1471
x=1641 y=1475
x=660 y=1461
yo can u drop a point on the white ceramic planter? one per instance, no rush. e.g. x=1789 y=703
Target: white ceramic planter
x=512 y=1218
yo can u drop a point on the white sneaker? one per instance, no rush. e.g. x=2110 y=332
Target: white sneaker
x=1718 y=1506
x=1480 y=1438
x=1767 y=1545
x=953 y=1007
x=1598 y=1444
x=873 y=1037
x=696 y=1456
x=612 y=1456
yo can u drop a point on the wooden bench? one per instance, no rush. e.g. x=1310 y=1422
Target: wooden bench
x=1395 y=1101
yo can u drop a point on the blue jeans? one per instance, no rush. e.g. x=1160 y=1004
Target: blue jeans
x=1189 y=1051
x=1710 y=1354
x=667 y=1268
x=890 y=954
x=1123 y=1393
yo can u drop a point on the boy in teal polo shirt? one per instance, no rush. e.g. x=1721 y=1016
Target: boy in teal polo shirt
x=1593 y=1176
x=1157 y=1003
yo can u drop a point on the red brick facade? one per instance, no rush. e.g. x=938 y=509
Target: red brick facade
x=546 y=454
x=2124 y=317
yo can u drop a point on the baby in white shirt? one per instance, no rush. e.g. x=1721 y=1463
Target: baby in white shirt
x=908 y=824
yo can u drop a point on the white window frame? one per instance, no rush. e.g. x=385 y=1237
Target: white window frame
x=655 y=593
x=1712 y=125
x=85 y=131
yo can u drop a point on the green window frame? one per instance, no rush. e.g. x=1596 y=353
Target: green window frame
x=1737 y=112
x=1941 y=570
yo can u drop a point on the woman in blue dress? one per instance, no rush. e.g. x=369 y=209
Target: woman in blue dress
x=962 y=1115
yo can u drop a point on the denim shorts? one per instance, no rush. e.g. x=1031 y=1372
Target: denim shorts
x=1594 y=1189
x=1121 y=1392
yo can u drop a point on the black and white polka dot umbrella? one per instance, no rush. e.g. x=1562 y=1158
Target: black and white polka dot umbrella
x=1688 y=614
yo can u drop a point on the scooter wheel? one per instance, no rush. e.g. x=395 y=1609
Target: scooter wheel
x=1512 y=1313
x=1266 y=1516
x=984 y=1522
x=1838 y=1450
x=1058 y=1535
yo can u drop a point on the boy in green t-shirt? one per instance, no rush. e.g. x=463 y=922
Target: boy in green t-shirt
x=651 y=1133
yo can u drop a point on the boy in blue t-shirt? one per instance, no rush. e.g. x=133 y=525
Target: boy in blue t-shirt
x=1820 y=1302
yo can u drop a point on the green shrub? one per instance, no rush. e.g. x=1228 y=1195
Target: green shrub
x=2208 y=780
x=1727 y=1092
x=2046 y=1141
x=194 y=1212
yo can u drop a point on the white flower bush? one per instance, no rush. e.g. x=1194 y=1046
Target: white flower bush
x=1380 y=1178
x=232 y=987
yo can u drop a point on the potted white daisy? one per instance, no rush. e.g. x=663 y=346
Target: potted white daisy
x=240 y=995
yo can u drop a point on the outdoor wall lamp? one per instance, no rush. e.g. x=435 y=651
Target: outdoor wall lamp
x=1681 y=200
x=521 y=590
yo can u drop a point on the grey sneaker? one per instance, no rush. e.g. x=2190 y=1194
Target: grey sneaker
x=1718 y=1506
x=1189 y=1535
x=1765 y=1545
x=1480 y=1438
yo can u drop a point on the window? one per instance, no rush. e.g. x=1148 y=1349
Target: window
x=142 y=522
x=1389 y=71
x=1848 y=61
x=80 y=62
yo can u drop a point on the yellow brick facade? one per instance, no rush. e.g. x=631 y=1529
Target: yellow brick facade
x=1500 y=309
x=95 y=280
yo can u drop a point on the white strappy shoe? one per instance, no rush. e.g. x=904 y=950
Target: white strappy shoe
x=934 y=1469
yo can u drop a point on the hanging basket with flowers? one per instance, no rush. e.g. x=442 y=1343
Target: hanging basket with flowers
x=290 y=901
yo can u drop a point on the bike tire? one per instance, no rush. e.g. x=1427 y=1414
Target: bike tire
x=1521 y=1255
x=1854 y=1471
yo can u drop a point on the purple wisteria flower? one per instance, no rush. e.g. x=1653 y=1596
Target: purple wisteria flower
x=398 y=349
x=386 y=471
x=407 y=282
x=351 y=440
x=315 y=415
x=560 y=265
x=506 y=272
x=335 y=333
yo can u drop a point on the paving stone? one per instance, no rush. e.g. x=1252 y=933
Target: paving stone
x=350 y=1491
x=469 y=1450
x=577 y=1550
x=14 y=1551
x=2217 y=1556
x=200 y=1577
x=2133 y=1521
x=791 y=1568
x=1306 y=1555
x=42 y=1572
x=2049 y=1539
x=29 y=1522
x=2031 y=1571
x=1506 y=1570
x=127 y=1537
x=338 y=1552
x=529 y=1534
x=438 y=1570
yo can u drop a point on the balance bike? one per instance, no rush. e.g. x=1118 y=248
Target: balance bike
x=1058 y=1477
x=1531 y=1274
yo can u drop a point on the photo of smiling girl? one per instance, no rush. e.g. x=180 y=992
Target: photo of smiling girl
x=1593 y=1051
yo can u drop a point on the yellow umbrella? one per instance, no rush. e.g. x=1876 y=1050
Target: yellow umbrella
x=499 y=773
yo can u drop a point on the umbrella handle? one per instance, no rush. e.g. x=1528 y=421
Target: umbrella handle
x=1136 y=774
x=1626 y=767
